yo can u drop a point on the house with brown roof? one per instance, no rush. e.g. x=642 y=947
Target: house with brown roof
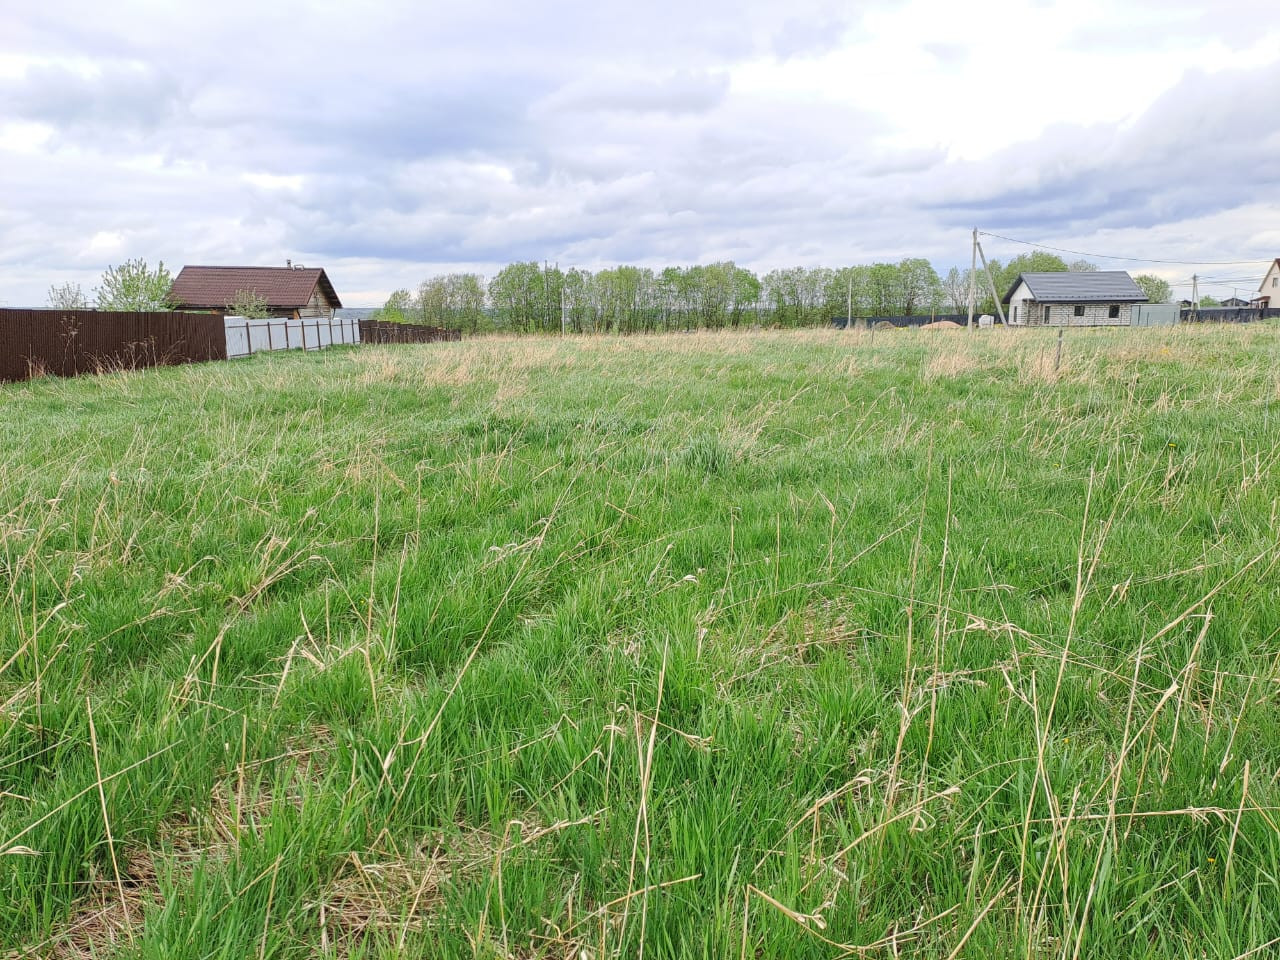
x=290 y=291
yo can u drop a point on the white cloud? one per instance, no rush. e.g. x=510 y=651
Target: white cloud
x=408 y=139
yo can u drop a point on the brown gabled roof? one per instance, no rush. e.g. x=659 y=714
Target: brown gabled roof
x=284 y=288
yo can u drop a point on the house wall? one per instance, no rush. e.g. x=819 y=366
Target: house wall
x=1271 y=286
x=1018 y=304
x=318 y=305
x=1063 y=315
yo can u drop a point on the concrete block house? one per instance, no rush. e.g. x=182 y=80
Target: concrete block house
x=1102 y=298
x=291 y=292
x=1268 y=297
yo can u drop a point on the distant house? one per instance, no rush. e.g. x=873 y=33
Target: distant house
x=1235 y=302
x=1101 y=298
x=292 y=292
x=1269 y=292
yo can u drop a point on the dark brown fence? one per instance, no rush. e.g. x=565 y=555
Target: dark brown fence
x=379 y=331
x=71 y=342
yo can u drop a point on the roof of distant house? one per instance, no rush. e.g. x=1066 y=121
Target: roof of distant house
x=287 y=288
x=1097 y=286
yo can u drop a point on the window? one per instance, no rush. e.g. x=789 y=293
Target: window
x=1113 y=312
x=1275 y=281
x=1079 y=310
x=1046 y=313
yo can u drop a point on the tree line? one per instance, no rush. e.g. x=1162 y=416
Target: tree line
x=532 y=297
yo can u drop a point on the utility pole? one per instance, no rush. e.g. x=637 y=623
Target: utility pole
x=973 y=269
x=848 y=310
x=1195 y=297
x=995 y=294
x=561 y=298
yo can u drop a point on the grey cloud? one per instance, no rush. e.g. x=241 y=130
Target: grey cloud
x=489 y=132
x=116 y=96
x=1202 y=147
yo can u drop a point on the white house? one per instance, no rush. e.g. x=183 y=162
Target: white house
x=1269 y=293
x=1102 y=298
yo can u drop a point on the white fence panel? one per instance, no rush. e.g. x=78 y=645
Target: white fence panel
x=1155 y=314
x=246 y=337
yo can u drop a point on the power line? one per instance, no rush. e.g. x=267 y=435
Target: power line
x=1106 y=256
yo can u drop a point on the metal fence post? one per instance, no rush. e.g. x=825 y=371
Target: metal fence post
x=248 y=340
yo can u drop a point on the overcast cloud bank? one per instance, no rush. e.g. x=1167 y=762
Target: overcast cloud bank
x=396 y=142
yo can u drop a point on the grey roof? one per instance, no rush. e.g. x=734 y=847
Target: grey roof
x=1098 y=286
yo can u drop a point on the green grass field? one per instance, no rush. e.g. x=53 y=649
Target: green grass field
x=786 y=645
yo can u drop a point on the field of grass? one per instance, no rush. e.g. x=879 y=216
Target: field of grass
x=786 y=645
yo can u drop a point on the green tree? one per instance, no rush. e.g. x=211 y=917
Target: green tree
x=918 y=288
x=397 y=309
x=455 y=300
x=67 y=296
x=247 y=303
x=579 y=300
x=955 y=289
x=1207 y=302
x=1157 y=290
x=882 y=287
x=745 y=293
x=134 y=286
x=517 y=294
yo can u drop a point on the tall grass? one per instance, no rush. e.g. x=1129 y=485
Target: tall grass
x=778 y=645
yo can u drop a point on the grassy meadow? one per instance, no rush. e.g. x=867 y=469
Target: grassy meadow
x=775 y=645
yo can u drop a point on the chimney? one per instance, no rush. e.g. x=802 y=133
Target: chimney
x=288 y=264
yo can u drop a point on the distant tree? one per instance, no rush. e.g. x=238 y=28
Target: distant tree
x=955 y=288
x=847 y=293
x=1206 y=302
x=797 y=295
x=518 y=296
x=1082 y=266
x=579 y=302
x=1038 y=261
x=918 y=287
x=627 y=299
x=744 y=292
x=1157 y=290
x=397 y=308
x=67 y=296
x=454 y=300
x=134 y=286
x=247 y=303
x=882 y=286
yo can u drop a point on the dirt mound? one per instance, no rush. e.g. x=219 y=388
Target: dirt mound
x=942 y=325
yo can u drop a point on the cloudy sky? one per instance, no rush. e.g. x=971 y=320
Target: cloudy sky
x=394 y=140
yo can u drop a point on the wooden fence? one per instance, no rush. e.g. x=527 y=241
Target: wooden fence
x=70 y=342
x=379 y=331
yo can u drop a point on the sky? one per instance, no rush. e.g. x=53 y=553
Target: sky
x=392 y=141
